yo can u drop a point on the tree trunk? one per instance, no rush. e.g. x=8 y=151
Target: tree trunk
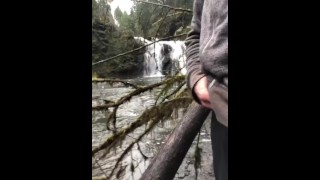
x=168 y=160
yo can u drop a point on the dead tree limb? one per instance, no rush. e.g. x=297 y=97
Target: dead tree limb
x=168 y=160
x=167 y=16
x=137 y=49
x=99 y=178
x=111 y=81
x=137 y=92
x=130 y=147
x=127 y=97
x=173 y=92
x=167 y=6
x=161 y=112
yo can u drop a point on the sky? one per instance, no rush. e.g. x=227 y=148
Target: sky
x=124 y=5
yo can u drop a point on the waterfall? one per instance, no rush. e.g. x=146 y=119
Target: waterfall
x=163 y=57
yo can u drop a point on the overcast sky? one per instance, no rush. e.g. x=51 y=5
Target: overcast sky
x=124 y=5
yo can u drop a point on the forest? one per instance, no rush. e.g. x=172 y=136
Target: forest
x=145 y=20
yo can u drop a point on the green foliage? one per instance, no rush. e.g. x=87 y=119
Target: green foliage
x=118 y=14
x=149 y=17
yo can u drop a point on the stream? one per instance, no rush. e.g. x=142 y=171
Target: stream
x=133 y=164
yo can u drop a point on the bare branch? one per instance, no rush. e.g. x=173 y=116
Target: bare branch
x=142 y=154
x=101 y=169
x=113 y=116
x=167 y=16
x=137 y=49
x=111 y=81
x=137 y=92
x=131 y=146
x=127 y=97
x=173 y=92
x=99 y=178
x=167 y=6
x=143 y=119
x=165 y=90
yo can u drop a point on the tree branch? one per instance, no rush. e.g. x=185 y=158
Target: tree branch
x=137 y=92
x=165 y=164
x=111 y=81
x=127 y=97
x=167 y=6
x=101 y=169
x=99 y=178
x=131 y=146
x=167 y=16
x=128 y=52
x=154 y=114
x=173 y=92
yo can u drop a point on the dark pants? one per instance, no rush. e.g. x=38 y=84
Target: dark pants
x=219 y=137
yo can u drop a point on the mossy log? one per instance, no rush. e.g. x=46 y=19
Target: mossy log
x=169 y=158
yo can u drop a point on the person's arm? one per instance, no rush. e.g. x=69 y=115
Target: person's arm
x=196 y=79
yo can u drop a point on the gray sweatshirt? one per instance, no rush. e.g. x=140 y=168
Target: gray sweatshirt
x=207 y=42
x=207 y=53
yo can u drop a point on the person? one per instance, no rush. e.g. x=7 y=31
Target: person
x=207 y=72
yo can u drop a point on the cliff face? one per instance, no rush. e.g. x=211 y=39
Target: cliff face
x=108 y=41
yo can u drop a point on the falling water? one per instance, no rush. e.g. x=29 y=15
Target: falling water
x=163 y=57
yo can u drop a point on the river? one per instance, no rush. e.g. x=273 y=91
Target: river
x=150 y=144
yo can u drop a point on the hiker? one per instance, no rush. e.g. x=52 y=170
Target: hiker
x=207 y=72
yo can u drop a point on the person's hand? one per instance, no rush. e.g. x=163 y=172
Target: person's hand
x=201 y=90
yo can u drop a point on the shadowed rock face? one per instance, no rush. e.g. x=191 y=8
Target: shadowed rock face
x=167 y=61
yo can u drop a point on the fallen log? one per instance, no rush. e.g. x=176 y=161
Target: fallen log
x=169 y=158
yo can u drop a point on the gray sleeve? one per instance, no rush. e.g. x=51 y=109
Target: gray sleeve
x=194 y=72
